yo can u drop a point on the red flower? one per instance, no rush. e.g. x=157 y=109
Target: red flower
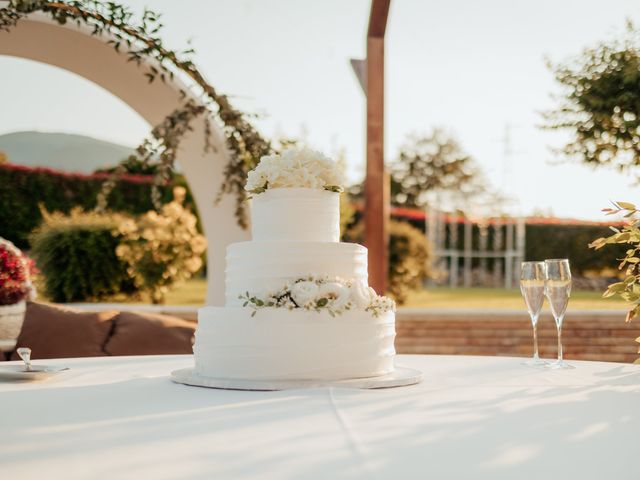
x=15 y=274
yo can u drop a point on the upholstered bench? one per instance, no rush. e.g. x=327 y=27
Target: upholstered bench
x=54 y=331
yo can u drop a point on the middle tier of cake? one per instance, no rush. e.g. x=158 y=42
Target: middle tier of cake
x=262 y=267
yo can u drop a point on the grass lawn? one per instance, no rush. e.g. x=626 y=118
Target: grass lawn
x=193 y=293
x=499 y=298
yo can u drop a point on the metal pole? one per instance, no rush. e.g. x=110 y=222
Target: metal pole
x=453 y=248
x=497 y=247
x=432 y=235
x=442 y=239
x=468 y=239
x=521 y=230
x=508 y=267
x=483 y=231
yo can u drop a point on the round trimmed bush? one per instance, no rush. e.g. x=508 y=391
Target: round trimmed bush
x=77 y=257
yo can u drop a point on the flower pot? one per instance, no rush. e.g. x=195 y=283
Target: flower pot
x=11 y=318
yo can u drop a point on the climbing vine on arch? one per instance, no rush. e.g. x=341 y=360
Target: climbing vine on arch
x=139 y=38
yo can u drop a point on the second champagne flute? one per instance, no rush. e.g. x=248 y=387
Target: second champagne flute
x=558 y=289
x=532 y=283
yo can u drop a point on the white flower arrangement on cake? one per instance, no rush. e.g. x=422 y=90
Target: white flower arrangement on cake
x=333 y=295
x=295 y=168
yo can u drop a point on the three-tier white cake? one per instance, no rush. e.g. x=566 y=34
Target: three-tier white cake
x=298 y=304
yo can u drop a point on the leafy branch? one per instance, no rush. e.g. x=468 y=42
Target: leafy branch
x=629 y=288
x=139 y=39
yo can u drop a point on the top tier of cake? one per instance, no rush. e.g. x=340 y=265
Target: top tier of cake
x=295 y=215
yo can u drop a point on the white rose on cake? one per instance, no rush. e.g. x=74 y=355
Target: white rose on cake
x=295 y=168
x=258 y=179
x=304 y=292
x=337 y=294
x=361 y=294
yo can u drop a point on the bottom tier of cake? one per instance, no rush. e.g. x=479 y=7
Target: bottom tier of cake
x=278 y=344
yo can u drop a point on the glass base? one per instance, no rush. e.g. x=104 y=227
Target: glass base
x=560 y=365
x=536 y=362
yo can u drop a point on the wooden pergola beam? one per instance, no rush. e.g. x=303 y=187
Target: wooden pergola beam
x=376 y=211
x=378 y=18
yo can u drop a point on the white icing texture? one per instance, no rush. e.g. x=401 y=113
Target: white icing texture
x=296 y=214
x=264 y=267
x=293 y=344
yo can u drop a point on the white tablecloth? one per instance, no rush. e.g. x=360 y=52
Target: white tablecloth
x=472 y=417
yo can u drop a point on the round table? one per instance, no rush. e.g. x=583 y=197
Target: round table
x=471 y=417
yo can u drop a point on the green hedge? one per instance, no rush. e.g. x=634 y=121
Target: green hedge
x=571 y=241
x=77 y=258
x=23 y=189
x=408 y=257
x=408 y=260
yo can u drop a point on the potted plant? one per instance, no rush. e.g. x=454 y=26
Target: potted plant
x=15 y=288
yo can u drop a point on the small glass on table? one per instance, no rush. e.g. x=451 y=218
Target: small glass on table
x=533 y=277
x=558 y=290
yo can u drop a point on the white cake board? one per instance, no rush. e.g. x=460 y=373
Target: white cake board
x=401 y=377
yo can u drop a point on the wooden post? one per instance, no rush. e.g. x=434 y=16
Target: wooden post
x=376 y=212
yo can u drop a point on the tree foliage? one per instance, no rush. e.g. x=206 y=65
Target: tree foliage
x=133 y=166
x=434 y=161
x=409 y=256
x=161 y=249
x=600 y=105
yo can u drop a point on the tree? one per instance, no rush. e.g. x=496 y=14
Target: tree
x=435 y=161
x=133 y=165
x=3 y=157
x=601 y=103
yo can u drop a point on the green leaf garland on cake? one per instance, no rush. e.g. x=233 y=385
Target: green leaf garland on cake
x=333 y=295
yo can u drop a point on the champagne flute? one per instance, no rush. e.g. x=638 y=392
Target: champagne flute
x=533 y=276
x=558 y=290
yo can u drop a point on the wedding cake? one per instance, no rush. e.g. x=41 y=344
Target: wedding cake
x=298 y=304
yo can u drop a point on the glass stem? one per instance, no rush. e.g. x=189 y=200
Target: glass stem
x=535 y=339
x=560 y=340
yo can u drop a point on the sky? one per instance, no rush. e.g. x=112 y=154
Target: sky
x=475 y=68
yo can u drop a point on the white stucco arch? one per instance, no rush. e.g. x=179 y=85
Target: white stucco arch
x=73 y=48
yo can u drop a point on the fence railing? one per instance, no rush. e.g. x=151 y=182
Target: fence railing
x=468 y=252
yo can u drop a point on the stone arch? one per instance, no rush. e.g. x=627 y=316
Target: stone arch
x=73 y=48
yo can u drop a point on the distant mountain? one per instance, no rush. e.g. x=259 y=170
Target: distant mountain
x=61 y=151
